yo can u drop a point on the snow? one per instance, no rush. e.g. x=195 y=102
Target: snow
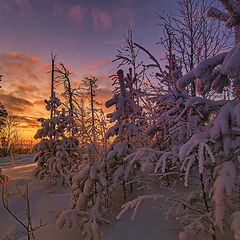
x=45 y=204
x=231 y=63
x=224 y=184
x=190 y=141
x=236 y=224
x=232 y=18
x=214 y=12
x=149 y=222
x=214 y=72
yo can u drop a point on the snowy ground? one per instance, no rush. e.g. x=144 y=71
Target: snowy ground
x=149 y=224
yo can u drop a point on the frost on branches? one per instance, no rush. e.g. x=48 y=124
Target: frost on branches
x=89 y=198
x=97 y=178
x=125 y=112
x=215 y=73
x=57 y=153
x=126 y=127
x=231 y=62
x=161 y=136
x=215 y=149
x=195 y=140
x=231 y=18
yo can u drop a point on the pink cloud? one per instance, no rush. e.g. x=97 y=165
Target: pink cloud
x=24 y=7
x=22 y=3
x=76 y=13
x=57 y=9
x=101 y=19
x=103 y=80
x=20 y=67
x=104 y=94
x=97 y=63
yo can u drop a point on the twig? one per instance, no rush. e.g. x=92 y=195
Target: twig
x=25 y=195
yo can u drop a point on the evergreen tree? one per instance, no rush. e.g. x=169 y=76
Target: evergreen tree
x=57 y=153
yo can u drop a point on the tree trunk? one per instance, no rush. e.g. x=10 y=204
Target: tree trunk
x=92 y=109
x=52 y=83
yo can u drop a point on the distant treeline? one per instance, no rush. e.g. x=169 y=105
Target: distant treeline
x=21 y=147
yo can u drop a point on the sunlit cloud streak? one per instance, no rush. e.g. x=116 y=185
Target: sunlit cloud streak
x=93 y=64
x=101 y=19
x=15 y=104
x=76 y=13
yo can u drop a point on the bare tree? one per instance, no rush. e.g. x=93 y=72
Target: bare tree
x=63 y=78
x=70 y=93
x=190 y=37
x=23 y=193
x=9 y=136
x=3 y=115
x=3 y=111
x=129 y=56
x=82 y=116
x=90 y=85
x=53 y=57
x=75 y=102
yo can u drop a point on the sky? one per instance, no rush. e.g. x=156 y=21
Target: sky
x=85 y=36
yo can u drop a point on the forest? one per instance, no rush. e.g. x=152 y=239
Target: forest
x=171 y=133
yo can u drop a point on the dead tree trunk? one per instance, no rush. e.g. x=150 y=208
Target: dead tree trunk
x=92 y=111
x=52 y=82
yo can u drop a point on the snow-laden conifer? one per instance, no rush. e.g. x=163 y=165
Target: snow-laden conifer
x=88 y=202
x=127 y=129
x=57 y=153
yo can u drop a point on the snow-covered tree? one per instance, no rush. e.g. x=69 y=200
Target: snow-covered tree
x=194 y=139
x=190 y=37
x=214 y=149
x=89 y=199
x=57 y=153
x=214 y=152
x=231 y=18
x=126 y=128
x=228 y=67
x=162 y=135
x=100 y=174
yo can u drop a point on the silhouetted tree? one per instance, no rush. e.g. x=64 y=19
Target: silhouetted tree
x=3 y=111
x=90 y=86
x=9 y=136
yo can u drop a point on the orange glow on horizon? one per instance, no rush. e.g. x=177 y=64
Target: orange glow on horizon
x=26 y=83
x=28 y=134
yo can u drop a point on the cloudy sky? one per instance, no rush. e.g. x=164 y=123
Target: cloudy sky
x=84 y=34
